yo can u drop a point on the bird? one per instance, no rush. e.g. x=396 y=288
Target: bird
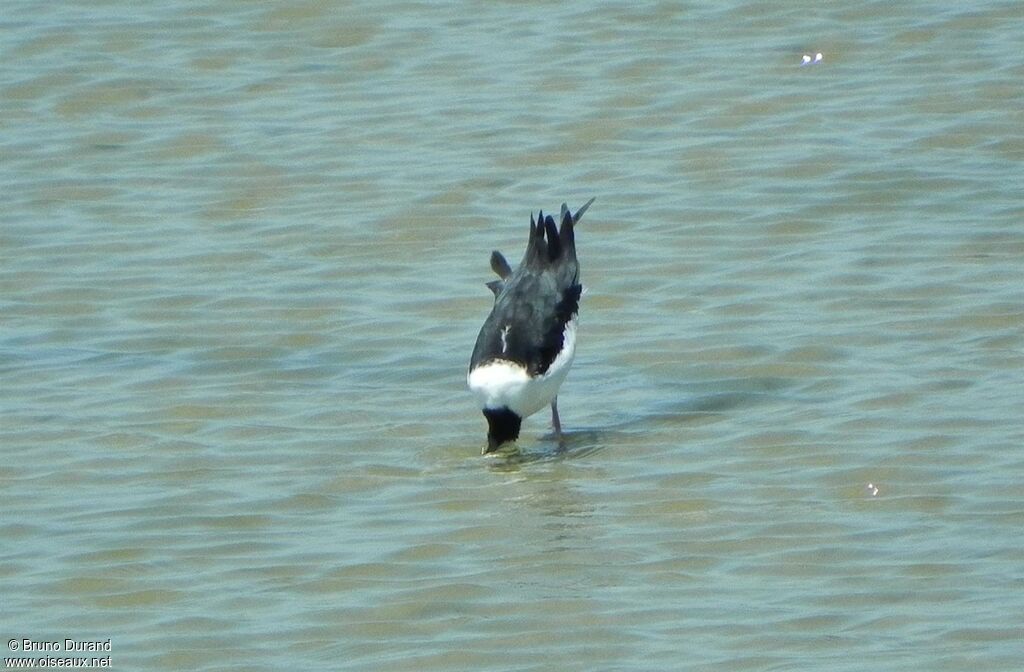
x=526 y=345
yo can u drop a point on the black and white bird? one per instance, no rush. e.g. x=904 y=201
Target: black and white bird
x=527 y=343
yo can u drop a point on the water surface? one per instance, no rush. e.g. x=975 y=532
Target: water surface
x=242 y=256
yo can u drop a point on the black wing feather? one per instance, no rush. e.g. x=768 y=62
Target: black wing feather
x=534 y=303
x=534 y=314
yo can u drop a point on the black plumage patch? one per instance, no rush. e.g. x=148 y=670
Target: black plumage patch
x=554 y=243
x=502 y=426
x=527 y=325
x=499 y=265
x=533 y=305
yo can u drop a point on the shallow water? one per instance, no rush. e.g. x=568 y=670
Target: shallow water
x=242 y=255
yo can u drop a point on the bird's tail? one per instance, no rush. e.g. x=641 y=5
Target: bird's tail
x=567 y=236
x=547 y=243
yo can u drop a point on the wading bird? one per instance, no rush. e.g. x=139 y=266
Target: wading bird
x=527 y=343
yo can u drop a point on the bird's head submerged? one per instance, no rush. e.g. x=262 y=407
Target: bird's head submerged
x=502 y=427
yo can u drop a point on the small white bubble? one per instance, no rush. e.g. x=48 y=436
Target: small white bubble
x=873 y=489
x=818 y=57
x=806 y=60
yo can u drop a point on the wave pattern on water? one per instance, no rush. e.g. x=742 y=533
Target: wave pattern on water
x=242 y=257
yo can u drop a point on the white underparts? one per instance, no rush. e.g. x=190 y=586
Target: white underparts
x=501 y=383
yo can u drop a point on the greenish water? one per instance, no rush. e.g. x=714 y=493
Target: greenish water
x=242 y=256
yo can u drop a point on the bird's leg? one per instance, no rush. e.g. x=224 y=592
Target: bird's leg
x=555 y=422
